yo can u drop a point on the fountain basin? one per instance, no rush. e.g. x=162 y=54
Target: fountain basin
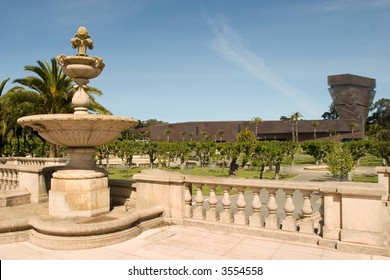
x=78 y=130
x=84 y=67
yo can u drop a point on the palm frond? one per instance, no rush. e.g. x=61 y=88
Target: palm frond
x=2 y=85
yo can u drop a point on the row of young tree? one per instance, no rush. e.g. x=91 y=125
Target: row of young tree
x=246 y=151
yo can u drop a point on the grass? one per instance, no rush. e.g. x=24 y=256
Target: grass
x=123 y=173
x=370 y=161
x=304 y=159
x=127 y=174
x=365 y=179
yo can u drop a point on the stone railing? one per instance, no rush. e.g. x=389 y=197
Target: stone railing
x=24 y=181
x=32 y=161
x=122 y=192
x=9 y=178
x=347 y=216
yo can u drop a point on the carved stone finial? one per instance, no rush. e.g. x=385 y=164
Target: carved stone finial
x=82 y=41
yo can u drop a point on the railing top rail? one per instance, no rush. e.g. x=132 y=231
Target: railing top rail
x=253 y=183
x=345 y=188
x=16 y=160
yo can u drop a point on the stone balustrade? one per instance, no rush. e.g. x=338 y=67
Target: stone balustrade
x=32 y=161
x=348 y=216
x=9 y=178
x=24 y=181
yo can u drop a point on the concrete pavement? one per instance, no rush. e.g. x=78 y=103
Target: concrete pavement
x=184 y=243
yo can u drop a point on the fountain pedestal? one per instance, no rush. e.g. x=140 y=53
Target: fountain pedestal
x=78 y=194
x=81 y=189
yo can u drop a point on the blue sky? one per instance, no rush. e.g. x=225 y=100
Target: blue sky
x=188 y=60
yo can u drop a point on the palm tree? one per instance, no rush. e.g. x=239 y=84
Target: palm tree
x=220 y=132
x=2 y=85
x=183 y=135
x=50 y=91
x=353 y=126
x=294 y=118
x=314 y=124
x=3 y=124
x=167 y=131
x=256 y=121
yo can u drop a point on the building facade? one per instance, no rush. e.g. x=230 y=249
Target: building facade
x=352 y=98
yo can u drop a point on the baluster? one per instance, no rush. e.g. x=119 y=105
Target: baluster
x=2 y=179
x=307 y=224
x=254 y=219
x=240 y=217
x=199 y=212
x=212 y=214
x=188 y=201
x=289 y=223
x=319 y=216
x=271 y=221
x=14 y=180
x=226 y=215
x=6 y=179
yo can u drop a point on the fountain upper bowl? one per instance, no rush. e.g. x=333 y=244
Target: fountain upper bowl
x=81 y=66
x=78 y=130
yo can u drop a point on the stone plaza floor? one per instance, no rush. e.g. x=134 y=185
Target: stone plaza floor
x=184 y=243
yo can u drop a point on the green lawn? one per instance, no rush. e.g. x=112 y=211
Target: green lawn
x=123 y=173
x=365 y=179
x=370 y=161
x=127 y=174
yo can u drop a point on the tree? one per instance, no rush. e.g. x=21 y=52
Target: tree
x=353 y=126
x=340 y=161
x=380 y=113
x=381 y=149
x=4 y=130
x=378 y=133
x=256 y=121
x=245 y=140
x=183 y=135
x=183 y=152
x=220 y=132
x=316 y=148
x=2 y=85
x=149 y=122
x=231 y=151
x=358 y=149
x=126 y=150
x=205 y=149
x=315 y=124
x=246 y=135
x=295 y=118
x=150 y=149
x=331 y=114
x=167 y=152
x=50 y=91
x=167 y=132
x=260 y=157
x=289 y=119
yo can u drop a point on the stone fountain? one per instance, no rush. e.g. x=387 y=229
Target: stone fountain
x=80 y=189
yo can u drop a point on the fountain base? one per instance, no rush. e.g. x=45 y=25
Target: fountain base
x=80 y=189
x=80 y=195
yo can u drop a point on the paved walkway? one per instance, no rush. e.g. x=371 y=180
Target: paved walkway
x=314 y=173
x=184 y=243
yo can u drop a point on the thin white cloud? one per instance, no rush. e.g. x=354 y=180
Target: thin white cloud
x=336 y=5
x=228 y=44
